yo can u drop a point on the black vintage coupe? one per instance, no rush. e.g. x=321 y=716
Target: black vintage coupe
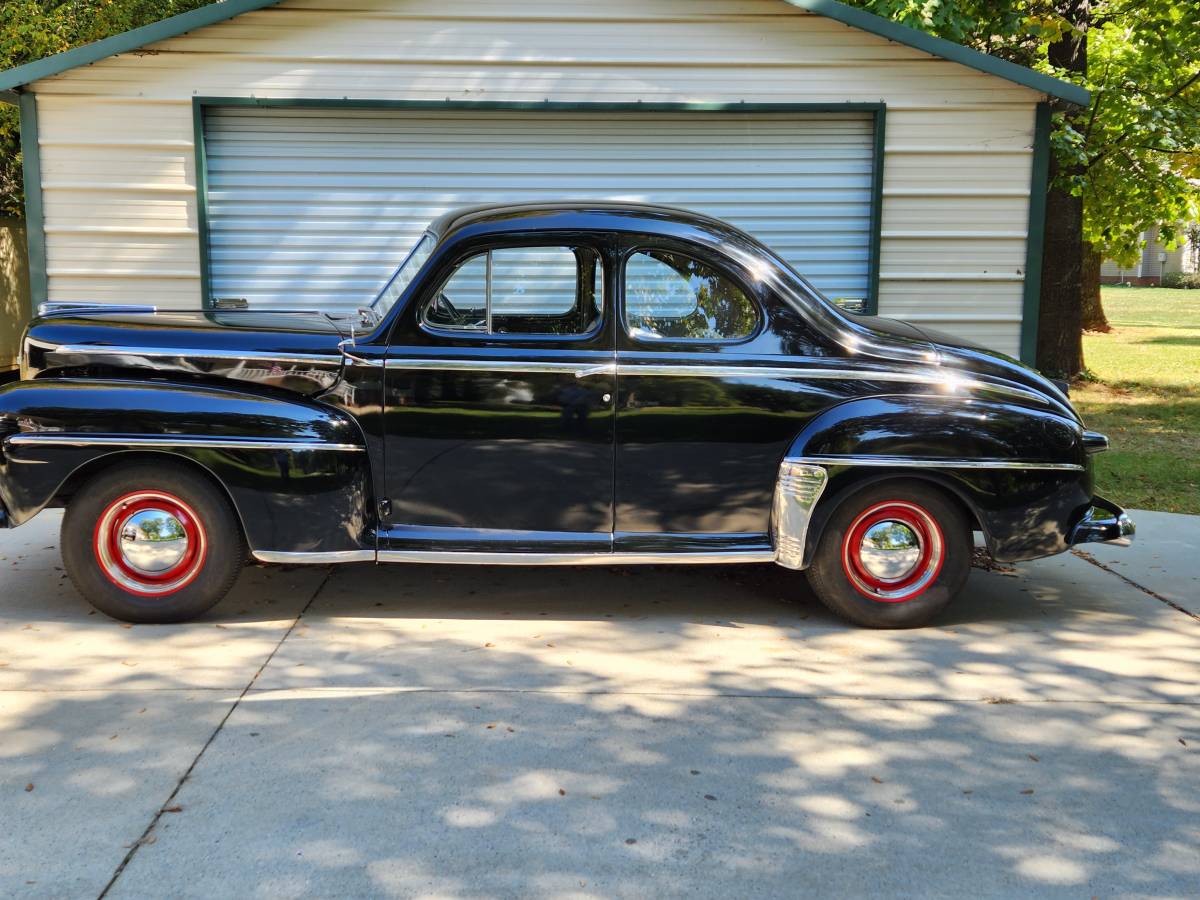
x=565 y=384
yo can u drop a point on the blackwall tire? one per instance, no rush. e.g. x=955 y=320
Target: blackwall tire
x=893 y=555
x=152 y=543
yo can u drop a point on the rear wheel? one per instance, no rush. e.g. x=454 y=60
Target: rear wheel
x=892 y=555
x=152 y=543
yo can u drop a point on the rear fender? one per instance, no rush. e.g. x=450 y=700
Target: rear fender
x=295 y=470
x=1021 y=474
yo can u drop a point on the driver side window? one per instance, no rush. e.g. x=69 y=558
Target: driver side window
x=522 y=290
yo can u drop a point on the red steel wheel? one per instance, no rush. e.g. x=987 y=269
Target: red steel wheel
x=150 y=543
x=892 y=554
x=893 y=551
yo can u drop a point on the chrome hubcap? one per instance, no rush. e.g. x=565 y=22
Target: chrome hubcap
x=150 y=543
x=153 y=541
x=890 y=550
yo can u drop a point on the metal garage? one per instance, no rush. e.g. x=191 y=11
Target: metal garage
x=288 y=151
x=315 y=207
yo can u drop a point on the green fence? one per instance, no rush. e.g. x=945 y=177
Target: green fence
x=14 y=292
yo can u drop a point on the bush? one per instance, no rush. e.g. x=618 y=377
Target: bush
x=1182 y=280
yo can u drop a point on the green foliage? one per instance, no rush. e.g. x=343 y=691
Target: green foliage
x=33 y=29
x=1189 y=280
x=1131 y=154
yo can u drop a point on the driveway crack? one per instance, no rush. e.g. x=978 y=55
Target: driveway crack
x=169 y=802
x=1087 y=557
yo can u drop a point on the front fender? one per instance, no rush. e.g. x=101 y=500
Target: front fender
x=1023 y=474
x=295 y=469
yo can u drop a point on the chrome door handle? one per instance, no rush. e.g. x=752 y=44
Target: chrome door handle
x=608 y=368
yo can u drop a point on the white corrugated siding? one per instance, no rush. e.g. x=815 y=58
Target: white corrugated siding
x=315 y=207
x=119 y=179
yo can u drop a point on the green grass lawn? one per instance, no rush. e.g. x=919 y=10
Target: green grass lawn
x=1146 y=398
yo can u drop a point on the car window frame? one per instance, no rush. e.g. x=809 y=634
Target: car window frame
x=573 y=241
x=697 y=252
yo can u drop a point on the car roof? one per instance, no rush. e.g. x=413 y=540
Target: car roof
x=584 y=216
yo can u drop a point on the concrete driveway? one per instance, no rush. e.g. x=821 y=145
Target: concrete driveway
x=711 y=732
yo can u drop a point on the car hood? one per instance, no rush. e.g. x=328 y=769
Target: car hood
x=296 y=351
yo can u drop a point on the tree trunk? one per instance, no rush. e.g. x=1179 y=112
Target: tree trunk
x=1060 y=325
x=1093 y=318
x=1060 y=320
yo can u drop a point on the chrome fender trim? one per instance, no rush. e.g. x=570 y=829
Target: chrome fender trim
x=800 y=485
x=162 y=442
x=914 y=462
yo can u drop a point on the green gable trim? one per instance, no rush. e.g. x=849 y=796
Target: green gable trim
x=128 y=40
x=1038 y=184
x=35 y=226
x=871 y=305
x=855 y=18
x=919 y=40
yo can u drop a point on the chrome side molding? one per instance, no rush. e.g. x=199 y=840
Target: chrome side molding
x=800 y=486
x=579 y=370
x=157 y=442
x=66 y=307
x=927 y=463
x=602 y=558
x=197 y=354
x=949 y=381
x=500 y=558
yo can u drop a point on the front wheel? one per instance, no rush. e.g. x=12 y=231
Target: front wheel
x=892 y=555
x=152 y=543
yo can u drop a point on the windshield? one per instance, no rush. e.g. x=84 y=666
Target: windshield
x=408 y=270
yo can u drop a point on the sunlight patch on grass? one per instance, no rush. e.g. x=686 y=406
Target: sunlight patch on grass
x=1147 y=398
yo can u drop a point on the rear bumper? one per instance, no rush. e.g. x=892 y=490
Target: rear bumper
x=1104 y=523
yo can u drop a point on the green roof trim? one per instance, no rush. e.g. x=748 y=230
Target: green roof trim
x=127 y=41
x=847 y=15
x=919 y=40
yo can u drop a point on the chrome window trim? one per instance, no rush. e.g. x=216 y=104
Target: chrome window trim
x=193 y=353
x=56 y=439
x=919 y=463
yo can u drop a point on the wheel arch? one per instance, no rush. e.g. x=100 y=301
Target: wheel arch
x=843 y=485
x=93 y=468
x=296 y=471
x=1021 y=475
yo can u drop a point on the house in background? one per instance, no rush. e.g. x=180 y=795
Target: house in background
x=1155 y=262
x=289 y=153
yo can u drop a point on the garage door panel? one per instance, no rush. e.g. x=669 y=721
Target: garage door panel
x=316 y=207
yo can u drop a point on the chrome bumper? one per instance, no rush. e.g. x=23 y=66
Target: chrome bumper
x=1104 y=523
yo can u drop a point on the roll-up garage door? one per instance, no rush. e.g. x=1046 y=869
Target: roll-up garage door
x=314 y=208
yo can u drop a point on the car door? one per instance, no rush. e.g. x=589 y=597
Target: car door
x=499 y=403
x=707 y=404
